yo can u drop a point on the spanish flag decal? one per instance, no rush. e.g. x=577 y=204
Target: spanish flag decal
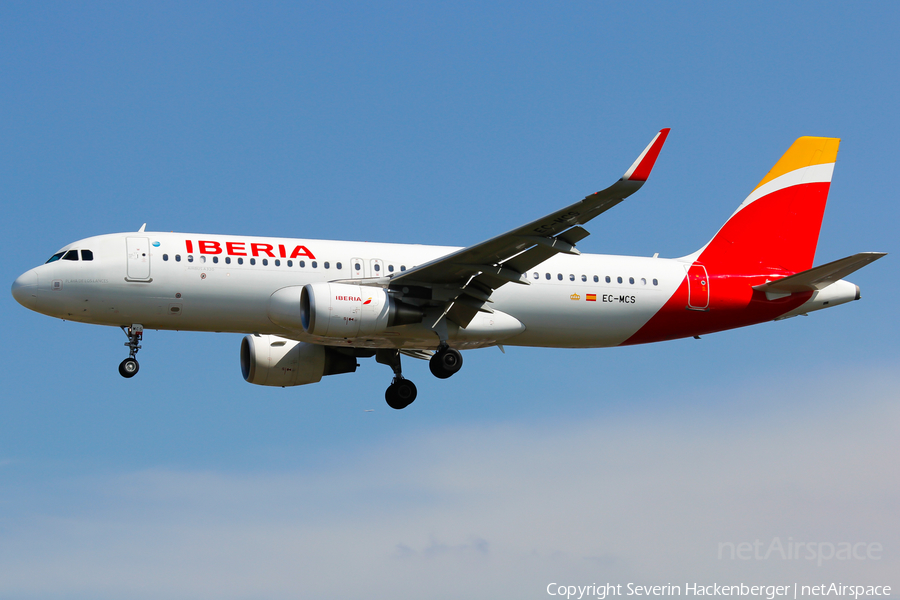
x=591 y=298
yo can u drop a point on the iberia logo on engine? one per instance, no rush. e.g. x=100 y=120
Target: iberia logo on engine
x=349 y=298
x=353 y=299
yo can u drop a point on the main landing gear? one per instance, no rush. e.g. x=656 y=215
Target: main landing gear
x=128 y=368
x=445 y=362
x=402 y=392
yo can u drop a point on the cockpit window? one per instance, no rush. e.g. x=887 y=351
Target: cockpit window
x=55 y=257
x=87 y=255
x=71 y=255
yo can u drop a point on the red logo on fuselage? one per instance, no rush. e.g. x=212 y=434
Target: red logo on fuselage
x=348 y=298
x=248 y=249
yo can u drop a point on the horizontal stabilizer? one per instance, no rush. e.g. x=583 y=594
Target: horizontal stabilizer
x=820 y=277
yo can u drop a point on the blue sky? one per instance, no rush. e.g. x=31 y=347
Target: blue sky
x=442 y=124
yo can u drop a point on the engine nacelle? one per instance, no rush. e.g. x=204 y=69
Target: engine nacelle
x=339 y=310
x=276 y=361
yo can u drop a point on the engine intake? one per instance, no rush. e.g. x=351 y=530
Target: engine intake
x=276 y=361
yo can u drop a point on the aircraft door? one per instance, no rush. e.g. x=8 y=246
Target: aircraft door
x=138 y=249
x=698 y=287
x=357 y=268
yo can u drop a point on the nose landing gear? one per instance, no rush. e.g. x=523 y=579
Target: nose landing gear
x=128 y=368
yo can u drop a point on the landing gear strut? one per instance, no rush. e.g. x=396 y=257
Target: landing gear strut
x=128 y=368
x=402 y=392
x=445 y=362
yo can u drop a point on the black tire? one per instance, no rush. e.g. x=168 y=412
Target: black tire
x=400 y=394
x=445 y=363
x=128 y=368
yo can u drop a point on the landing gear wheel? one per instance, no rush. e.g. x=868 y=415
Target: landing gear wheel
x=128 y=368
x=400 y=394
x=445 y=362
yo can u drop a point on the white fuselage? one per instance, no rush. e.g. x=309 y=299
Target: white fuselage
x=202 y=282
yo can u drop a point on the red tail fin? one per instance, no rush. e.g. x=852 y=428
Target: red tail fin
x=777 y=226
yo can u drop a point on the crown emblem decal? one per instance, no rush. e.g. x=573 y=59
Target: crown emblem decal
x=575 y=297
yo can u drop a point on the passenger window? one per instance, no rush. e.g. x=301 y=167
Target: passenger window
x=655 y=282
x=265 y=262
x=190 y=258
x=227 y=260
x=571 y=277
x=377 y=267
x=596 y=279
x=357 y=267
x=584 y=277
x=177 y=258
x=548 y=276
x=559 y=276
x=631 y=280
x=240 y=261
x=619 y=279
x=326 y=264
x=402 y=268
x=87 y=255
x=165 y=257
x=302 y=263
x=315 y=264
x=608 y=280
x=391 y=268
x=277 y=263
x=54 y=258
x=202 y=258
x=339 y=266
x=537 y=275
x=71 y=255
x=643 y=281
x=252 y=261
x=290 y=263
x=216 y=259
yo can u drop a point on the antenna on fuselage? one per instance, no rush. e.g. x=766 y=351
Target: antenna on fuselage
x=141 y=230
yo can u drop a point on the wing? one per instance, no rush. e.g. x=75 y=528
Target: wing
x=465 y=279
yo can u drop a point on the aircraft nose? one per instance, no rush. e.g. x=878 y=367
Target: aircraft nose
x=24 y=289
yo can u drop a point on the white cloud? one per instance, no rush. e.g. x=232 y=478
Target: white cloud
x=495 y=511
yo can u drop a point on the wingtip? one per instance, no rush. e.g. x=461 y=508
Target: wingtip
x=641 y=168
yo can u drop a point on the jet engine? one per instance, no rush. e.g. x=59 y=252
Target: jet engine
x=276 y=361
x=339 y=310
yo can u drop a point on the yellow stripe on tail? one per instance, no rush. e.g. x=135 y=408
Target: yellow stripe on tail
x=804 y=152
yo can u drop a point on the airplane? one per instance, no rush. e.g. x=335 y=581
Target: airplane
x=311 y=308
